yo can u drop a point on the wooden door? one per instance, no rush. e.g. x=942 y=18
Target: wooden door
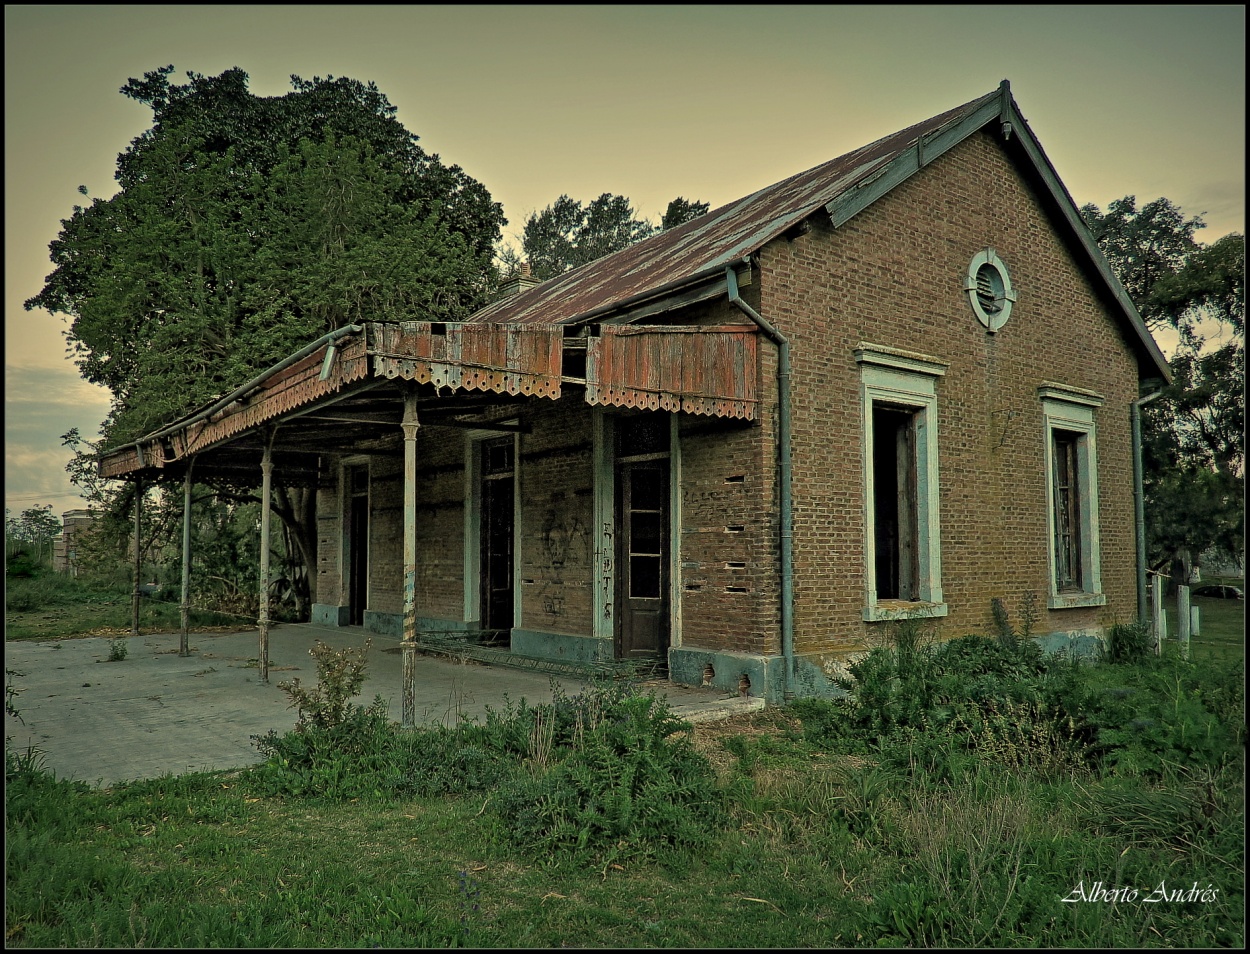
x=357 y=544
x=642 y=579
x=496 y=556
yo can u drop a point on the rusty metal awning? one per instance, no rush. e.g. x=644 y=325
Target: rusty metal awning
x=349 y=392
x=696 y=369
x=506 y=359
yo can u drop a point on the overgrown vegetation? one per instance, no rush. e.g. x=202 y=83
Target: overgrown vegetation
x=43 y=604
x=971 y=793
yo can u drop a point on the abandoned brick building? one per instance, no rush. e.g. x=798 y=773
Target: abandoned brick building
x=901 y=384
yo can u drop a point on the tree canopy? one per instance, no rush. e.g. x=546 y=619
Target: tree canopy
x=1194 y=435
x=568 y=234
x=246 y=226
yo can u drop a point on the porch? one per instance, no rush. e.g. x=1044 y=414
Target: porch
x=157 y=712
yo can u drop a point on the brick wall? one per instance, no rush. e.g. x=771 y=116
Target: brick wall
x=893 y=276
x=329 y=536
x=556 y=557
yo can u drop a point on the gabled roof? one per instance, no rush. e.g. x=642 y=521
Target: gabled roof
x=698 y=252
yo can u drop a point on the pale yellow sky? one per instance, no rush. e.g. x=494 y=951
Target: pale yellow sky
x=710 y=103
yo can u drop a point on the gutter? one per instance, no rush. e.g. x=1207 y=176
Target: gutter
x=251 y=385
x=783 y=476
x=1139 y=505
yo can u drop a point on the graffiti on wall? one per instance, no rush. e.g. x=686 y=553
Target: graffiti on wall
x=564 y=541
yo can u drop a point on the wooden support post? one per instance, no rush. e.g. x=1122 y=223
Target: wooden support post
x=409 y=647
x=185 y=605
x=266 y=471
x=135 y=596
x=1182 y=619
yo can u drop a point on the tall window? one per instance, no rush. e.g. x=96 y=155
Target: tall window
x=894 y=505
x=1072 y=490
x=903 y=575
x=1067 y=516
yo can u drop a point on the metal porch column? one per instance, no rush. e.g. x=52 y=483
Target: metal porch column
x=266 y=471
x=134 y=596
x=185 y=606
x=409 y=647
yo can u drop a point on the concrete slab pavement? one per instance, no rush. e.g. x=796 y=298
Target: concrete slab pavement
x=157 y=713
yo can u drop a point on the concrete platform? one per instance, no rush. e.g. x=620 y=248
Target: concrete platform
x=156 y=713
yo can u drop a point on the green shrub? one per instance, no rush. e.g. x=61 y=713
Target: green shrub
x=1129 y=642
x=918 y=686
x=340 y=761
x=625 y=787
x=340 y=676
x=1138 y=719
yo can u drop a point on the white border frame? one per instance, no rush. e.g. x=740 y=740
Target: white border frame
x=904 y=378
x=1072 y=409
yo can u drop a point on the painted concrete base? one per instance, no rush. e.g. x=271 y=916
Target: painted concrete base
x=386 y=624
x=817 y=675
x=530 y=642
x=324 y=614
x=743 y=674
x=739 y=673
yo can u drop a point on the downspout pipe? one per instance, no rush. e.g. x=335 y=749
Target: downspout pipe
x=783 y=476
x=1139 y=506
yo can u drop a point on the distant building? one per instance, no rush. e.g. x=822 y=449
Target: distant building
x=65 y=543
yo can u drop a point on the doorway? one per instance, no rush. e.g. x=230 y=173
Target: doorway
x=357 y=544
x=495 y=564
x=642 y=535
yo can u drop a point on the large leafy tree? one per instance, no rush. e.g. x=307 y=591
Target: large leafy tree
x=568 y=234
x=247 y=226
x=1194 y=434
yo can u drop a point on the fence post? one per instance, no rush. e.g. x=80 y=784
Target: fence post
x=1158 y=619
x=1182 y=619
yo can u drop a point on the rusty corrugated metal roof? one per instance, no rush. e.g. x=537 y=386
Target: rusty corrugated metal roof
x=714 y=240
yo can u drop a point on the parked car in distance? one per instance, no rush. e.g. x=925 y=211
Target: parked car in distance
x=1220 y=592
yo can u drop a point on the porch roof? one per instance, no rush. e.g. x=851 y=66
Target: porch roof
x=347 y=393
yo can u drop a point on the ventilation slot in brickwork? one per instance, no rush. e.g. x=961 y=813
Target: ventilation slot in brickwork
x=744 y=684
x=737 y=589
x=736 y=479
x=735 y=565
x=735 y=528
x=708 y=674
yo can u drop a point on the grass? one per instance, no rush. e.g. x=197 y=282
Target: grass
x=49 y=605
x=1223 y=628
x=830 y=840
x=821 y=852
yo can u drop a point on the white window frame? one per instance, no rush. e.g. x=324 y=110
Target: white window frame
x=906 y=379
x=1070 y=409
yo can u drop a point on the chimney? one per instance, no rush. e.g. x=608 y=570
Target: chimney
x=519 y=282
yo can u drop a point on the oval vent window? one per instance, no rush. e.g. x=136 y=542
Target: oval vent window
x=989 y=290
